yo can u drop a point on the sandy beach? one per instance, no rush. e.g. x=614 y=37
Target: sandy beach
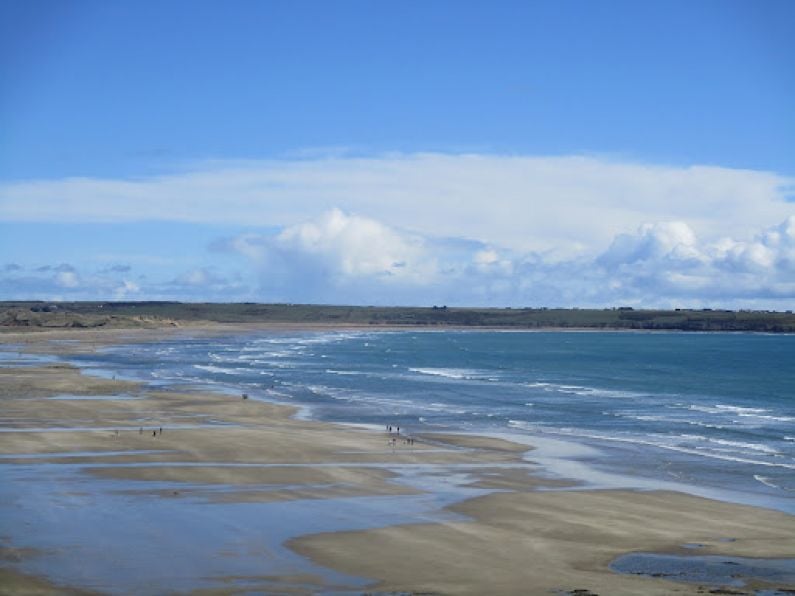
x=518 y=532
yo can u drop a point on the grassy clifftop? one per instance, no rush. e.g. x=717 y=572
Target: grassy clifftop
x=37 y=315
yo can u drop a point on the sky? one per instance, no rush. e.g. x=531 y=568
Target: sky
x=501 y=153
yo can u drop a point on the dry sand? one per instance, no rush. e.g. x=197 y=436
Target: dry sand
x=520 y=541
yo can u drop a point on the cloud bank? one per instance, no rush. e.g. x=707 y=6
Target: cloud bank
x=439 y=229
x=350 y=259
x=562 y=205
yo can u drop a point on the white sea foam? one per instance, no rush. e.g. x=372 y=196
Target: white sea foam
x=741 y=414
x=658 y=441
x=741 y=445
x=769 y=482
x=726 y=409
x=454 y=373
x=524 y=425
x=768 y=417
x=740 y=409
x=665 y=419
x=583 y=391
x=259 y=355
x=216 y=369
x=385 y=403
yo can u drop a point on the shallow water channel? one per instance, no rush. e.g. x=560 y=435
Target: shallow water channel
x=125 y=536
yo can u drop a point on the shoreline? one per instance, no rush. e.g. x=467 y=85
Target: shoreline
x=354 y=463
x=106 y=336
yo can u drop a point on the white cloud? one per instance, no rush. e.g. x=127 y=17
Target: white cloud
x=67 y=279
x=350 y=259
x=126 y=289
x=346 y=258
x=440 y=228
x=354 y=246
x=663 y=240
x=63 y=282
x=562 y=206
x=773 y=249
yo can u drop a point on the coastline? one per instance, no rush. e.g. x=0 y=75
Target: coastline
x=221 y=450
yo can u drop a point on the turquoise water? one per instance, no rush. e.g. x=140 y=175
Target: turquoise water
x=710 y=413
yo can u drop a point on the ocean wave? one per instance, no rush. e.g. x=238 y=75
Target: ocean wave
x=455 y=373
x=666 y=420
x=300 y=341
x=724 y=409
x=260 y=354
x=769 y=482
x=659 y=441
x=583 y=390
x=742 y=445
x=766 y=481
x=217 y=369
x=769 y=417
x=739 y=412
x=386 y=404
x=232 y=371
x=524 y=425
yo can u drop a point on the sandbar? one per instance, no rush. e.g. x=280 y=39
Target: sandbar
x=524 y=533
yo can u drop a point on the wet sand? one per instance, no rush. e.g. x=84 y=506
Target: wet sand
x=541 y=543
x=220 y=450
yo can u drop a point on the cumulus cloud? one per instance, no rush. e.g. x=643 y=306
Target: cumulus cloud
x=351 y=259
x=663 y=240
x=324 y=258
x=564 y=205
x=666 y=263
x=440 y=228
x=774 y=248
x=66 y=282
x=66 y=279
x=354 y=246
x=63 y=282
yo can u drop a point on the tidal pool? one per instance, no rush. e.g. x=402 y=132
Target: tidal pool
x=714 y=570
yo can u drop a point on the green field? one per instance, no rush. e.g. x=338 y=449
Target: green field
x=16 y=315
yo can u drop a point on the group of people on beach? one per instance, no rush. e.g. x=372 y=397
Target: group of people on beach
x=154 y=431
x=393 y=440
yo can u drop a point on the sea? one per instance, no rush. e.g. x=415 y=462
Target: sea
x=711 y=414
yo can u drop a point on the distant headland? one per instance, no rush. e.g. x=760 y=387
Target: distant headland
x=36 y=315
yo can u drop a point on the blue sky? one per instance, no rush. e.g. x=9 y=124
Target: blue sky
x=502 y=153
